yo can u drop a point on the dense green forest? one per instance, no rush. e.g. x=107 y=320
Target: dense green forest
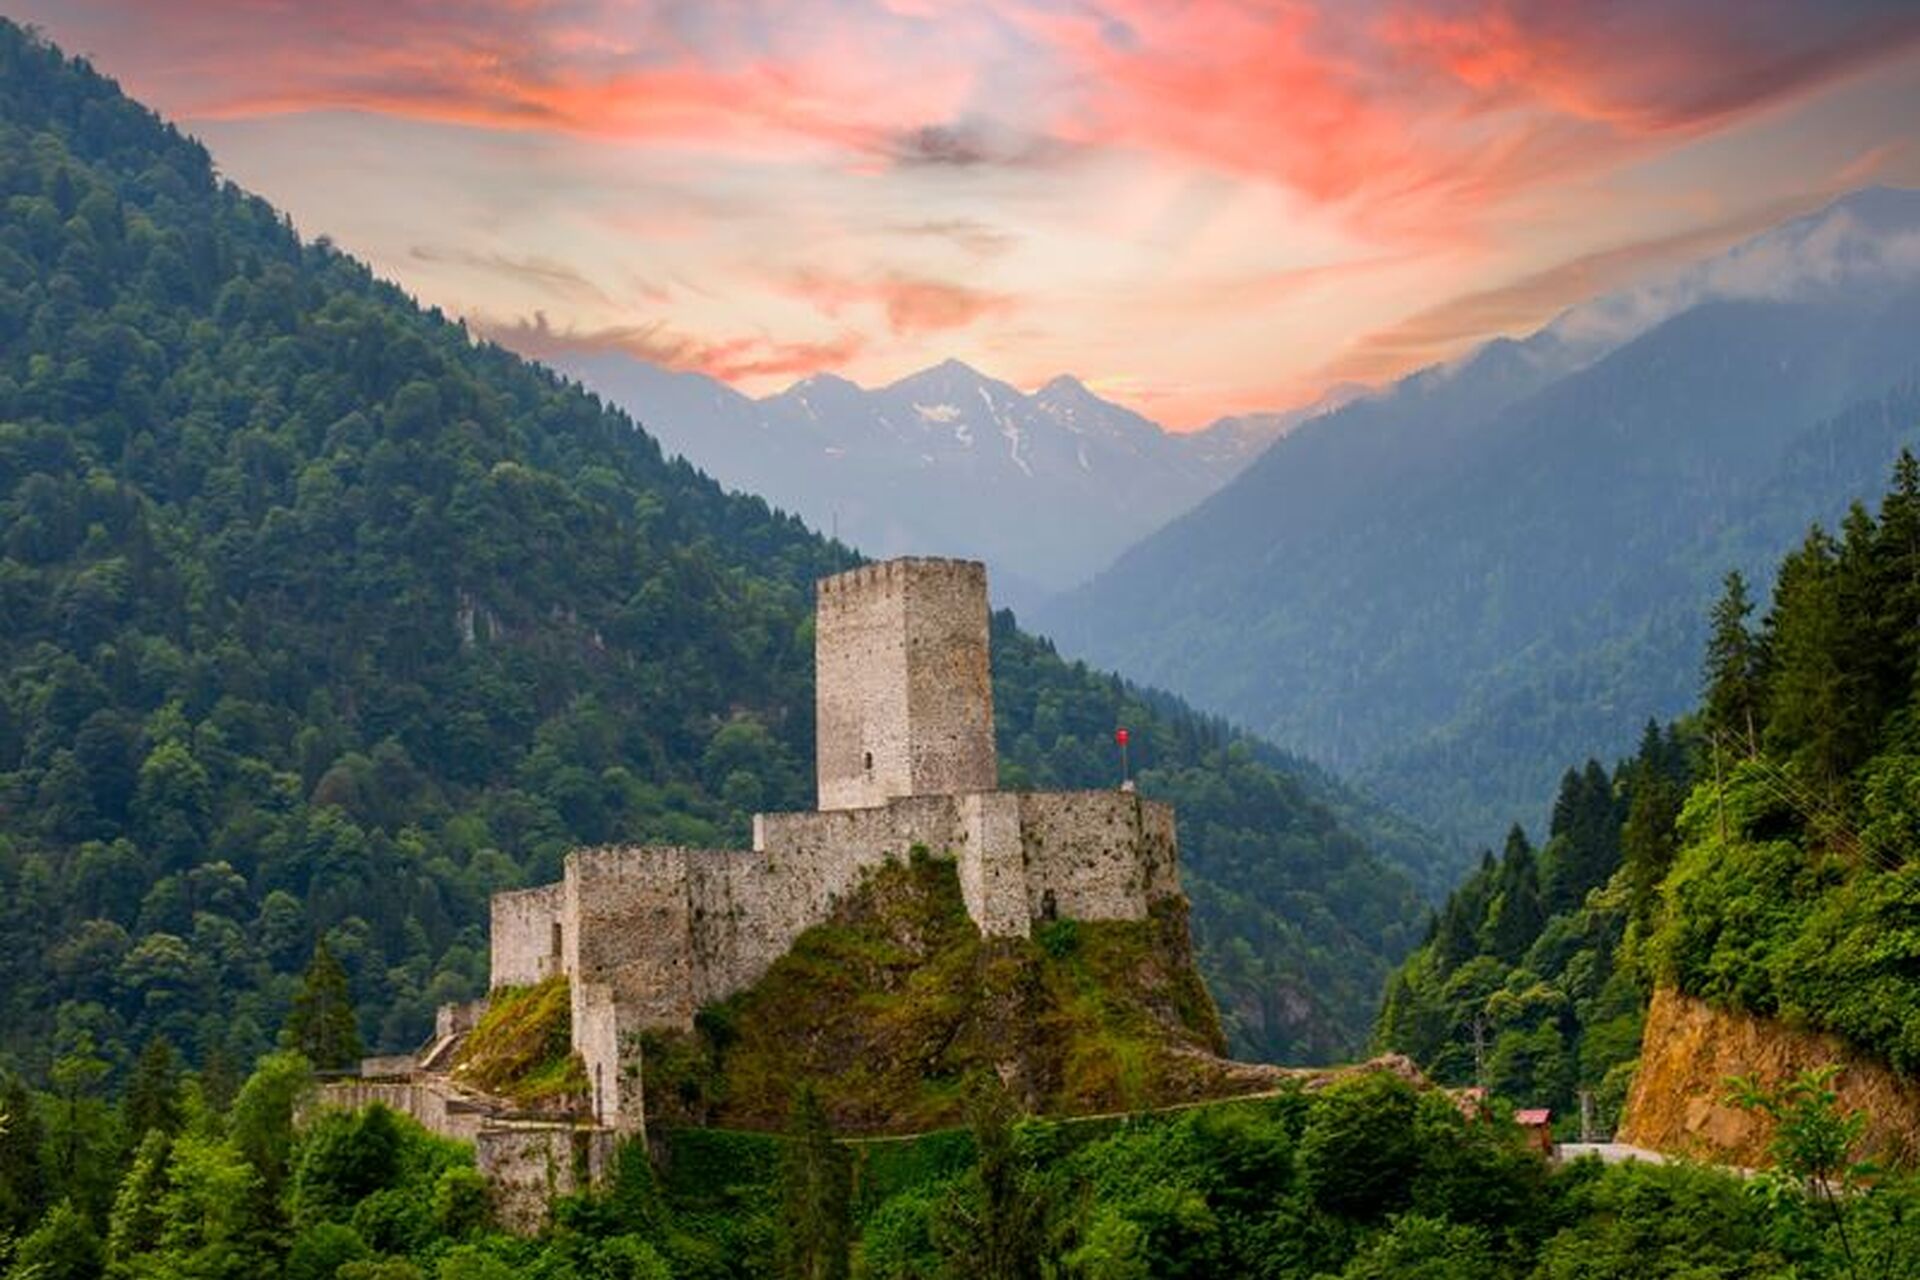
x=1369 y=1179
x=324 y=621
x=1525 y=985
x=1762 y=857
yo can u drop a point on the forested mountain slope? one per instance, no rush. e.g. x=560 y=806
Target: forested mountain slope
x=323 y=621
x=1765 y=858
x=1445 y=590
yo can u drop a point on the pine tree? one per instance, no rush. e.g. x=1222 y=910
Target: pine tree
x=1584 y=847
x=1899 y=558
x=1648 y=842
x=1515 y=917
x=1805 y=694
x=995 y=1226
x=23 y=1177
x=816 y=1196
x=1456 y=934
x=135 y=1225
x=1733 y=693
x=321 y=1024
x=153 y=1095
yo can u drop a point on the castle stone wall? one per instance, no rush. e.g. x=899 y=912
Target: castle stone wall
x=1096 y=855
x=949 y=679
x=522 y=935
x=749 y=907
x=528 y=1166
x=860 y=703
x=631 y=929
x=437 y=1107
x=608 y=1042
x=903 y=692
x=992 y=866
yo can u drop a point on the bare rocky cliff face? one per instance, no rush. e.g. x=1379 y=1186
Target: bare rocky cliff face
x=1678 y=1101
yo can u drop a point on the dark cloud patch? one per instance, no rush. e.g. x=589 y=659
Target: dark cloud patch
x=556 y=278
x=974 y=142
x=981 y=239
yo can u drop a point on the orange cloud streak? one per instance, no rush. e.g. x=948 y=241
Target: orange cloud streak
x=912 y=305
x=728 y=359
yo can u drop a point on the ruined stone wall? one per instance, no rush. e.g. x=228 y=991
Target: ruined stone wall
x=458 y=1018
x=668 y=930
x=438 y=1108
x=527 y=1166
x=992 y=865
x=903 y=691
x=521 y=935
x=1096 y=855
x=607 y=1038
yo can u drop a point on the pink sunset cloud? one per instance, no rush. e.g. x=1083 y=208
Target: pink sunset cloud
x=1241 y=197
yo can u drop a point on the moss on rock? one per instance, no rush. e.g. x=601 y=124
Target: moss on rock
x=890 y=1004
x=522 y=1048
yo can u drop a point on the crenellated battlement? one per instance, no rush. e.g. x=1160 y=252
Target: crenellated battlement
x=903 y=688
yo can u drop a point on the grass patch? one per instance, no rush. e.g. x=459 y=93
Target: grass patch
x=522 y=1048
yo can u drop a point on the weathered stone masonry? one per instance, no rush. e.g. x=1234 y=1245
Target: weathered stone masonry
x=646 y=936
x=649 y=935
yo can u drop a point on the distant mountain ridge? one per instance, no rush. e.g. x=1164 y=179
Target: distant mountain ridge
x=1502 y=564
x=1045 y=486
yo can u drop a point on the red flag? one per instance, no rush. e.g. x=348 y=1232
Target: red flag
x=1120 y=736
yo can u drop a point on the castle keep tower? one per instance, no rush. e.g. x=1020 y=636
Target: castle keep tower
x=903 y=692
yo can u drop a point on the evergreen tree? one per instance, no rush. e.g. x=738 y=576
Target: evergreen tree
x=1806 y=686
x=321 y=1025
x=995 y=1226
x=1733 y=693
x=23 y=1181
x=136 y=1223
x=81 y=1132
x=63 y=1247
x=1582 y=851
x=1647 y=839
x=816 y=1196
x=1898 y=608
x=1515 y=915
x=1457 y=932
x=153 y=1095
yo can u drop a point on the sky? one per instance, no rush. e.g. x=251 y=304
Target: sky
x=1197 y=208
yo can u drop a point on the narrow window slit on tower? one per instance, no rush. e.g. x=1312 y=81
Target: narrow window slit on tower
x=557 y=930
x=869 y=762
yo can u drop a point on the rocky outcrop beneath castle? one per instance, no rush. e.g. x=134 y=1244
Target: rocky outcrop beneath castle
x=1690 y=1051
x=650 y=935
x=896 y=998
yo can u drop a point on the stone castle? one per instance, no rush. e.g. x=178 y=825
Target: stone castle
x=647 y=935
